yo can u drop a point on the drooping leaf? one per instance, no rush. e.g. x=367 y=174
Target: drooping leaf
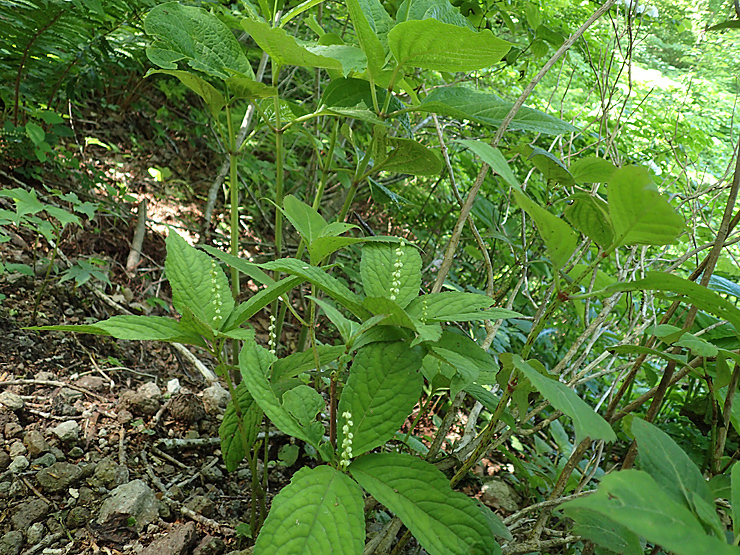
x=303 y=403
x=321 y=511
x=210 y=95
x=633 y=499
x=304 y=218
x=590 y=216
x=559 y=238
x=190 y=34
x=393 y=314
x=232 y=446
x=729 y=24
x=550 y=165
x=494 y=158
x=489 y=109
x=260 y=300
x=243 y=87
x=603 y=531
x=367 y=36
x=409 y=156
x=431 y=44
x=383 y=386
x=639 y=213
x=297 y=363
x=669 y=465
x=445 y=522
x=387 y=266
x=246 y=268
x=586 y=422
x=456 y=306
x=592 y=169
x=197 y=282
x=698 y=295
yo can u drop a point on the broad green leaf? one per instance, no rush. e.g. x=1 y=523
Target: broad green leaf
x=456 y=306
x=345 y=326
x=284 y=49
x=367 y=37
x=431 y=44
x=330 y=285
x=700 y=296
x=26 y=202
x=135 y=328
x=724 y=285
x=640 y=350
x=445 y=522
x=324 y=246
x=735 y=498
x=321 y=511
x=383 y=386
x=351 y=98
x=386 y=266
x=240 y=86
x=304 y=218
x=197 y=282
x=669 y=465
x=559 y=238
x=247 y=268
x=486 y=398
x=639 y=213
x=586 y=422
x=550 y=165
x=698 y=346
x=304 y=403
x=494 y=158
x=482 y=363
x=729 y=24
x=298 y=10
x=592 y=169
x=633 y=499
x=409 y=156
x=254 y=364
x=186 y=33
x=232 y=446
x=63 y=216
x=258 y=301
x=590 y=216
x=393 y=314
x=489 y=109
x=210 y=95
x=495 y=523
x=35 y=132
x=603 y=531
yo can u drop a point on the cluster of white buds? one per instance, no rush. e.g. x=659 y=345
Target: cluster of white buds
x=347 y=441
x=272 y=338
x=424 y=309
x=396 y=276
x=217 y=299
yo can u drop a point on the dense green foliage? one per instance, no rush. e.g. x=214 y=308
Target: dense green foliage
x=565 y=277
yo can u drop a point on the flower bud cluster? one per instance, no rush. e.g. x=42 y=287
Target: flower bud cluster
x=347 y=441
x=396 y=275
x=217 y=298
x=272 y=338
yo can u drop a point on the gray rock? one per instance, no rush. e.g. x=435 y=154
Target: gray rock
x=134 y=499
x=93 y=383
x=16 y=449
x=215 y=399
x=11 y=543
x=5 y=489
x=59 y=476
x=35 y=533
x=178 y=541
x=138 y=404
x=70 y=395
x=149 y=390
x=498 y=494
x=173 y=386
x=68 y=431
x=108 y=474
x=4 y=461
x=13 y=430
x=59 y=454
x=77 y=518
x=210 y=546
x=45 y=460
x=29 y=512
x=76 y=452
x=19 y=464
x=46 y=376
x=11 y=400
x=35 y=443
x=18 y=489
x=201 y=504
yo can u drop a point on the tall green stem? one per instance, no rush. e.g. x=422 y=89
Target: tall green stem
x=234 y=220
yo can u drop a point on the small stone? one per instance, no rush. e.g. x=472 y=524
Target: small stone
x=173 y=386
x=45 y=460
x=13 y=430
x=177 y=541
x=201 y=504
x=11 y=400
x=5 y=490
x=93 y=383
x=67 y=431
x=149 y=390
x=499 y=495
x=69 y=395
x=16 y=449
x=125 y=416
x=18 y=489
x=59 y=454
x=77 y=518
x=19 y=464
x=131 y=500
x=59 y=476
x=210 y=546
x=35 y=533
x=138 y=404
x=45 y=376
x=29 y=512
x=215 y=399
x=76 y=452
x=108 y=474
x=35 y=443
x=4 y=460
x=11 y=543
x=212 y=474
